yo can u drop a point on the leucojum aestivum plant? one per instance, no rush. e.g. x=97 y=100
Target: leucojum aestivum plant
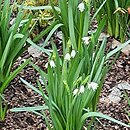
x=117 y=17
x=13 y=41
x=11 y=47
x=74 y=80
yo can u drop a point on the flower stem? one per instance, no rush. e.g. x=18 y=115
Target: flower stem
x=80 y=32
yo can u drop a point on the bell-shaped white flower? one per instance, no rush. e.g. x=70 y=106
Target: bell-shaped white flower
x=86 y=40
x=46 y=65
x=52 y=64
x=73 y=53
x=81 y=90
x=75 y=92
x=67 y=56
x=93 y=86
x=81 y=7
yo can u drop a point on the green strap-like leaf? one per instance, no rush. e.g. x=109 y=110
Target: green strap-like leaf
x=97 y=114
x=29 y=109
x=12 y=76
x=117 y=49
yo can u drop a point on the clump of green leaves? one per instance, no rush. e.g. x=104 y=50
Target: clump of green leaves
x=75 y=23
x=11 y=46
x=44 y=16
x=35 y=2
x=71 y=92
x=117 y=17
x=74 y=80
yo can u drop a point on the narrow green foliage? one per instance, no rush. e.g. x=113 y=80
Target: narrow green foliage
x=117 y=17
x=11 y=47
x=76 y=23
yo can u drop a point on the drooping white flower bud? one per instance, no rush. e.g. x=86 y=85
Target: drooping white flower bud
x=67 y=56
x=46 y=65
x=81 y=7
x=75 y=91
x=86 y=40
x=52 y=64
x=93 y=86
x=73 y=53
x=81 y=90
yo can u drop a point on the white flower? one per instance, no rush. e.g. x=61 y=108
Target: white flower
x=81 y=7
x=46 y=65
x=67 y=56
x=75 y=92
x=73 y=53
x=81 y=90
x=52 y=64
x=93 y=86
x=86 y=40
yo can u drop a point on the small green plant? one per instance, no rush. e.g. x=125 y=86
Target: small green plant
x=40 y=11
x=11 y=47
x=117 y=17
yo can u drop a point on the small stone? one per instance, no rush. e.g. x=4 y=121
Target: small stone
x=34 y=51
x=124 y=86
x=115 y=95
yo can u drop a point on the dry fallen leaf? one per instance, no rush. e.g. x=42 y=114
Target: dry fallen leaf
x=126 y=50
x=115 y=43
x=102 y=36
x=115 y=95
x=34 y=51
